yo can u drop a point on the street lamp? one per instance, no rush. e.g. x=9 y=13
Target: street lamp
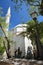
x=37 y=37
x=34 y=15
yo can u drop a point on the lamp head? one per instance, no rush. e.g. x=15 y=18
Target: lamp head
x=34 y=15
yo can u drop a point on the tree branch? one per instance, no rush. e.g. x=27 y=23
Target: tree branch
x=33 y=3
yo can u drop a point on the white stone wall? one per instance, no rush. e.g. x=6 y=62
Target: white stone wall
x=28 y=44
x=21 y=41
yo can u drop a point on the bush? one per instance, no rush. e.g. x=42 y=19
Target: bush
x=1 y=50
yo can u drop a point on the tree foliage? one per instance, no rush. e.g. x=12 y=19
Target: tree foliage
x=3 y=29
x=36 y=3
x=2 y=49
x=41 y=31
x=2 y=22
x=31 y=30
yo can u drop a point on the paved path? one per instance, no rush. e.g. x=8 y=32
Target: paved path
x=20 y=62
x=5 y=63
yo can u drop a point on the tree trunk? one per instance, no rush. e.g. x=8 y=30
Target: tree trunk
x=38 y=43
x=8 y=45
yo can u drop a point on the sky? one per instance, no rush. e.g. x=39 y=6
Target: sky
x=16 y=17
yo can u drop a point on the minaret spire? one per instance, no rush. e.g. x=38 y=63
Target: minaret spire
x=8 y=15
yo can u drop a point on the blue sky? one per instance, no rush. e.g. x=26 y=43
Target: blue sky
x=16 y=17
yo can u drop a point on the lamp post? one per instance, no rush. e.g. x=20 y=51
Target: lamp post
x=37 y=37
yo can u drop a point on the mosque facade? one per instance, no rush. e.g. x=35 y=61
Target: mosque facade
x=20 y=39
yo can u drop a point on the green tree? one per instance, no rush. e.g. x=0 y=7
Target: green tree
x=1 y=45
x=41 y=32
x=2 y=26
x=31 y=30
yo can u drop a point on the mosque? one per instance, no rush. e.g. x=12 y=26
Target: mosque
x=19 y=37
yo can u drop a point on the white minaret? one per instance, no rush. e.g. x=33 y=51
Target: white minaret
x=8 y=15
